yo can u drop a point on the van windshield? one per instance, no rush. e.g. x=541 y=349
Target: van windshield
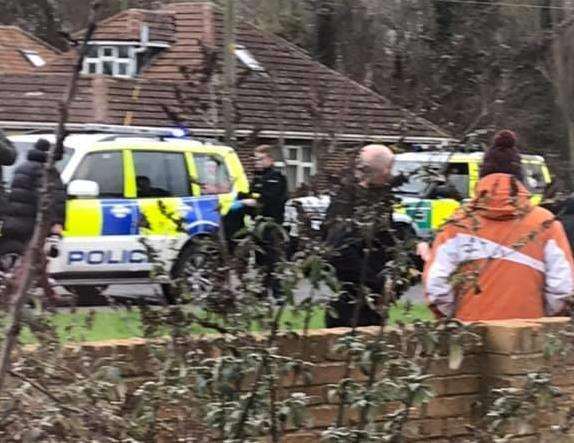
x=22 y=149
x=421 y=174
x=418 y=174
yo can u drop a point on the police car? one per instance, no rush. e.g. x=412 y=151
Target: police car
x=123 y=190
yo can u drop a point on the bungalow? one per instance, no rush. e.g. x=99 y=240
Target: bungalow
x=163 y=68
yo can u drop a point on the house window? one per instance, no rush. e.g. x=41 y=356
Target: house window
x=117 y=61
x=34 y=58
x=298 y=165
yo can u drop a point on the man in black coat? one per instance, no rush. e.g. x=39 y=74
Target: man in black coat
x=360 y=257
x=7 y=157
x=25 y=192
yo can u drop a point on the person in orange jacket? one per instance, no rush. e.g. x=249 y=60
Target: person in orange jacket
x=500 y=257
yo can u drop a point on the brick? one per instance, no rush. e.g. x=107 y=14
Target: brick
x=461 y=384
x=470 y=365
x=525 y=439
x=504 y=381
x=318 y=394
x=456 y=427
x=322 y=374
x=325 y=415
x=513 y=338
x=462 y=405
x=551 y=324
x=495 y=364
x=302 y=437
x=428 y=428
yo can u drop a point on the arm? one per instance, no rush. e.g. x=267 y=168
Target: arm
x=59 y=203
x=559 y=276
x=443 y=260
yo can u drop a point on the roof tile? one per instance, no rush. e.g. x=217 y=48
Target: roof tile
x=13 y=41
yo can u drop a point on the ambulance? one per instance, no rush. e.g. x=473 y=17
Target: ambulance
x=438 y=182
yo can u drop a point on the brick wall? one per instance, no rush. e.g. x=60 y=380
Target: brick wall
x=509 y=351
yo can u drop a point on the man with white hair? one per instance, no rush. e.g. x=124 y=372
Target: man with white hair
x=359 y=261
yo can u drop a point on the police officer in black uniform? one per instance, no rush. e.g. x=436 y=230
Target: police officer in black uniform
x=270 y=193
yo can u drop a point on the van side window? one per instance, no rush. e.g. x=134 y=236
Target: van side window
x=161 y=174
x=106 y=168
x=457 y=176
x=212 y=174
x=534 y=177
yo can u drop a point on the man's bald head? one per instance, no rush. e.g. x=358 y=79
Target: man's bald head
x=374 y=165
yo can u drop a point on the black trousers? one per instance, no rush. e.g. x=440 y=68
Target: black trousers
x=344 y=310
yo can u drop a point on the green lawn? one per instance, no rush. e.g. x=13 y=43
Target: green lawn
x=125 y=323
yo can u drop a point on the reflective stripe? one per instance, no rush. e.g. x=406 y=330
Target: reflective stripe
x=472 y=248
x=83 y=218
x=438 y=288
x=559 y=282
x=202 y=214
x=464 y=248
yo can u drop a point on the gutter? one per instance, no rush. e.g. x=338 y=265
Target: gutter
x=28 y=126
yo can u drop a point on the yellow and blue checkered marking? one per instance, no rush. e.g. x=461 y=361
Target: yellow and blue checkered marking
x=118 y=217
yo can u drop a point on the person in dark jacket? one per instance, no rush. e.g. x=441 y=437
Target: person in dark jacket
x=7 y=157
x=25 y=192
x=369 y=187
x=270 y=193
x=24 y=202
x=269 y=186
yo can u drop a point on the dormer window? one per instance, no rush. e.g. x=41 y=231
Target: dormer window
x=116 y=60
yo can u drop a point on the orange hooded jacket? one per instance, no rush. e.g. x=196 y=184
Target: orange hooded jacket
x=500 y=257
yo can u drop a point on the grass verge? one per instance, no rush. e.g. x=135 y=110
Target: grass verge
x=116 y=324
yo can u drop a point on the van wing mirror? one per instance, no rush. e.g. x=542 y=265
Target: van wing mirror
x=83 y=189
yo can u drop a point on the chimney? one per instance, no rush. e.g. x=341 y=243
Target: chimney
x=100 y=104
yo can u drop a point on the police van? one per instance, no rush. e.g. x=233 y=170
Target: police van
x=125 y=189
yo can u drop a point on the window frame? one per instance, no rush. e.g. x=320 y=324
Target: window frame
x=123 y=169
x=133 y=172
x=130 y=62
x=196 y=184
x=299 y=163
x=33 y=57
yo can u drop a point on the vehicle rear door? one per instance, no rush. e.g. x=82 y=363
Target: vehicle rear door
x=101 y=234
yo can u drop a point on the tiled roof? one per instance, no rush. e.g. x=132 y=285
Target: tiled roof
x=13 y=41
x=127 y=25
x=296 y=94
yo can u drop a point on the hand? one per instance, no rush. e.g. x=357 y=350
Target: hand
x=423 y=250
x=57 y=229
x=249 y=202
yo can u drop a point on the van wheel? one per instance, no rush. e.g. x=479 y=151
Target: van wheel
x=191 y=272
x=88 y=295
x=11 y=253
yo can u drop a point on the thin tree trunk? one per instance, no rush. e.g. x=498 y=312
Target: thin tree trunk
x=229 y=72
